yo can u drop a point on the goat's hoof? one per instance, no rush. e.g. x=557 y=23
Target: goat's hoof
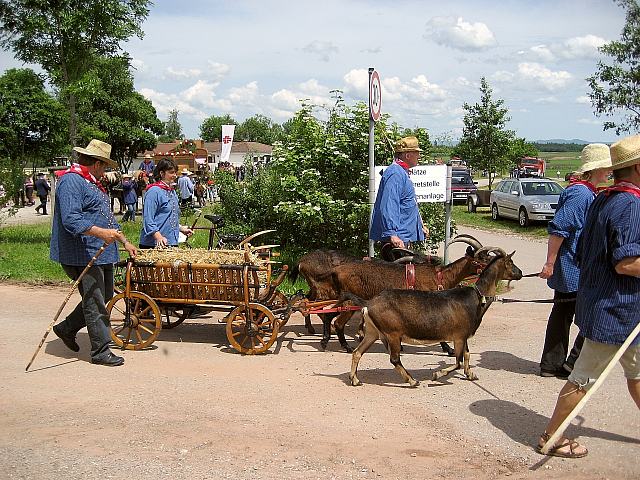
x=472 y=376
x=413 y=383
x=347 y=348
x=355 y=382
x=323 y=346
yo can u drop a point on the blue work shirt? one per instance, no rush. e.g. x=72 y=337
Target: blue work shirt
x=80 y=205
x=129 y=192
x=186 y=186
x=147 y=167
x=160 y=213
x=396 y=209
x=568 y=222
x=608 y=304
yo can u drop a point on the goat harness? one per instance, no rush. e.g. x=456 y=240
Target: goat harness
x=410 y=276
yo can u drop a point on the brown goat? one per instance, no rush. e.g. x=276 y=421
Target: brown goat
x=412 y=316
x=366 y=280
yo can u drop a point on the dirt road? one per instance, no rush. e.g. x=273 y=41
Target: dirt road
x=194 y=409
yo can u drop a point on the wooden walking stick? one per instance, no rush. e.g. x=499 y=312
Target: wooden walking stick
x=73 y=288
x=563 y=426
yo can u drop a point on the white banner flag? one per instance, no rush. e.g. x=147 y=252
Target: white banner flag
x=227 y=141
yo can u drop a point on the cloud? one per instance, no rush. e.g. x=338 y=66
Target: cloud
x=575 y=48
x=454 y=32
x=544 y=77
x=589 y=121
x=164 y=102
x=322 y=49
x=546 y=100
x=583 y=100
x=244 y=95
x=182 y=74
x=502 y=76
x=372 y=50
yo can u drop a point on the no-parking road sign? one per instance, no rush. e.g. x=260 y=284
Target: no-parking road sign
x=375 y=96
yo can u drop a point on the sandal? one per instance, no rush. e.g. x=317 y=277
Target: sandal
x=555 y=450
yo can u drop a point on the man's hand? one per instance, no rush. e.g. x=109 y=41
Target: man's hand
x=131 y=249
x=425 y=230
x=396 y=242
x=186 y=230
x=107 y=235
x=547 y=270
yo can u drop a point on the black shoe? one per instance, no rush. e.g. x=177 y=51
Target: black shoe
x=560 y=373
x=110 y=360
x=68 y=340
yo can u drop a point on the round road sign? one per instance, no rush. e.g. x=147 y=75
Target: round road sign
x=375 y=96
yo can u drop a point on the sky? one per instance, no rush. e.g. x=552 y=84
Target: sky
x=247 y=57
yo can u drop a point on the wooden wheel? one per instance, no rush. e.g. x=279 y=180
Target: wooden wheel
x=174 y=316
x=255 y=335
x=137 y=326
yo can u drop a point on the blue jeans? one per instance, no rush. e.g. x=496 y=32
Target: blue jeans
x=96 y=288
x=130 y=214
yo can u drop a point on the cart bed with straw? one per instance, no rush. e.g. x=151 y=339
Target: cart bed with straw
x=235 y=281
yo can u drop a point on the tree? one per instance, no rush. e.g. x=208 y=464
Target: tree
x=172 y=128
x=111 y=110
x=32 y=126
x=258 y=129
x=519 y=148
x=65 y=37
x=485 y=141
x=616 y=88
x=315 y=190
x=211 y=128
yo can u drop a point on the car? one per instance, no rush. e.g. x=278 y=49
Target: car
x=461 y=186
x=525 y=199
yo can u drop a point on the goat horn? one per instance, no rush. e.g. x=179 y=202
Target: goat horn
x=403 y=260
x=497 y=250
x=406 y=251
x=465 y=235
x=469 y=241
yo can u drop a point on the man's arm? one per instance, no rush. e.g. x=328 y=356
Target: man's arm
x=629 y=266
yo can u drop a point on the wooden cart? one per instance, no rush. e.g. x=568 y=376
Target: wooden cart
x=256 y=309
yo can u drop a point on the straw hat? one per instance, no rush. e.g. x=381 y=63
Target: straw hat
x=407 y=144
x=185 y=171
x=99 y=150
x=127 y=175
x=594 y=156
x=625 y=152
x=147 y=157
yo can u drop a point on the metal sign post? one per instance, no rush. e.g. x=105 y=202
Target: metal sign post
x=375 y=106
x=447 y=216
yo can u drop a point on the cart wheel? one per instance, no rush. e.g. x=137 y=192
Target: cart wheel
x=279 y=301
x=175 y=316
x=255 y=336
x=138 y=328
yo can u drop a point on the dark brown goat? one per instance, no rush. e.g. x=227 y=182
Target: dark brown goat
x=411 y=316
x=314 y=267
x=366 y=280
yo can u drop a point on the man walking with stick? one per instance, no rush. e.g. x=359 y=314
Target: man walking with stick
x=608 y=298
x=82 y=224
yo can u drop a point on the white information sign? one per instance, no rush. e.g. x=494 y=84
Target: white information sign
x=430 y=182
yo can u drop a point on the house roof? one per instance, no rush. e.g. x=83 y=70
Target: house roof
x=215 y=148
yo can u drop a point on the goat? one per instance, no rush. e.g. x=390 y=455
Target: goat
x=413 y=316
x=315 y=266
x=366 y=280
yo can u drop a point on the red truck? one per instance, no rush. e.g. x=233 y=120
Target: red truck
x=531 y=167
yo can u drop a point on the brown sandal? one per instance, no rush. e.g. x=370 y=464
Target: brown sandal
x=555 y=450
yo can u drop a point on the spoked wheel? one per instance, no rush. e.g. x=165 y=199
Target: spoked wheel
x=279 y=301
x=252 y=329
x=137 y=326
x=174 y=316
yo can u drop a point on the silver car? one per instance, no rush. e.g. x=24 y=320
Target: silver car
x=525 y=199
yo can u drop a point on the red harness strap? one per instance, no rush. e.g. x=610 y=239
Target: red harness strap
x=410 y=276
x=439 y=280
x=350 y=308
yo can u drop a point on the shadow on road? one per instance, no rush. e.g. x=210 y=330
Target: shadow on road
x=493 y=360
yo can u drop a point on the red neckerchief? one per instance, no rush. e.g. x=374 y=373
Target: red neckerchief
x=84 y=173
x=586 y=183
x=160 y=184
x=623 y=187
x=404 y=165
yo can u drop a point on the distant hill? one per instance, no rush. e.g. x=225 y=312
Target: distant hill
x=576 y=141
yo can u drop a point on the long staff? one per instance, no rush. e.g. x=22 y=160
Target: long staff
x=73 y=288
x=558 y=433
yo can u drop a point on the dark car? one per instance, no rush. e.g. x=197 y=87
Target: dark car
x=461 y=186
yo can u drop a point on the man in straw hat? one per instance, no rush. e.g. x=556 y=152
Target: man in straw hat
x=561 y=270
x=147 y=165
x=396 y=219
x=82 y=223
x=608 y=300
x=186 y=187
